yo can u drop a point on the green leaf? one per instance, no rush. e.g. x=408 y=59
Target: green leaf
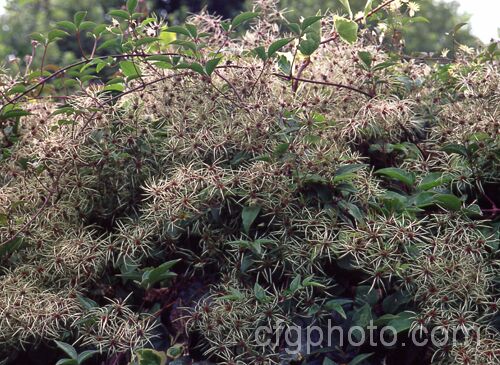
x=457 y=27
x=418 y=19
x=277 y=45
x=150 y=357
x=158 y=274
x=347 y=7
x=310 y=21
x=131 y=6
x=248 y=216
x=56 y=33
x=11 y=246
x=211 y=65
x=119 y=14
x=366 y=57
x=4 y=220
x=87 y=303
x=114 y=87
x=347 y=29
x=347 y=171
x=294 y=27
x=360 y=358
x=448 y=201
x=260 y=52
x=383 y=65
x=432 y=180
x=86 y=25
x=69 y=26
x=259 y=292
x=281 y=149
x=67 y=348
x=108 y=44
x=79 y=17
x=129 y=69
x=67 y=362
x=362 y=316
x=193 y=32
x=402 y=322
x=328 y=361
x=311 y=39
x=309 y=282
x=336 y=305
x=368 y=7
x=15 y=113
x=403 y=176
x=242 y=18
x=175 y=351
x=383 y=320
x=455 y=148
x=85 y=355
x=235 y=295
x=17 y=89
x=178 y=30
x=39 y=37
x=296 y=283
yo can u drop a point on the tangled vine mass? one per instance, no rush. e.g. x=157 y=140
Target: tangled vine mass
x=192 y=183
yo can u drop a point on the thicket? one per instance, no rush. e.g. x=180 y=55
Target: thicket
x=162 y=202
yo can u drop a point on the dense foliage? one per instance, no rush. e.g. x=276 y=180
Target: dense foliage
x=40 y=15
x=162 y=201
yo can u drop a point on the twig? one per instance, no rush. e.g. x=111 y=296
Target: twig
x=340 y=86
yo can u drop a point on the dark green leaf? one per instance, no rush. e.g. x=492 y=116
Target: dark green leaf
x=56 y=33
x=67 y=348
x=277 y=45
x=11 y=246
x=178 y=30
x=455 y=148
x=129 y=69
x=362 y=316
x=87 y=25
x=360 y=358
x=294 y=27
x=15 y=113
x=67 y=362
x=260 y=52
x=131 y=6
x=366 y=57
x=248 y=216
x=310 y=21
x=448 y=201
x=336 y=305
x=211 y=65
x=39 y=37
x=242 y=18
x=193 y=32
x=432 y=180
x=85 y=355
x=347 y=172
x=119 y=14
x=259 y=292
x=403 y=176
x=69 y=26
x=79 y=17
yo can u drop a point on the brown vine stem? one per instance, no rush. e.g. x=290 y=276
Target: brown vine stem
x=340 y=86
